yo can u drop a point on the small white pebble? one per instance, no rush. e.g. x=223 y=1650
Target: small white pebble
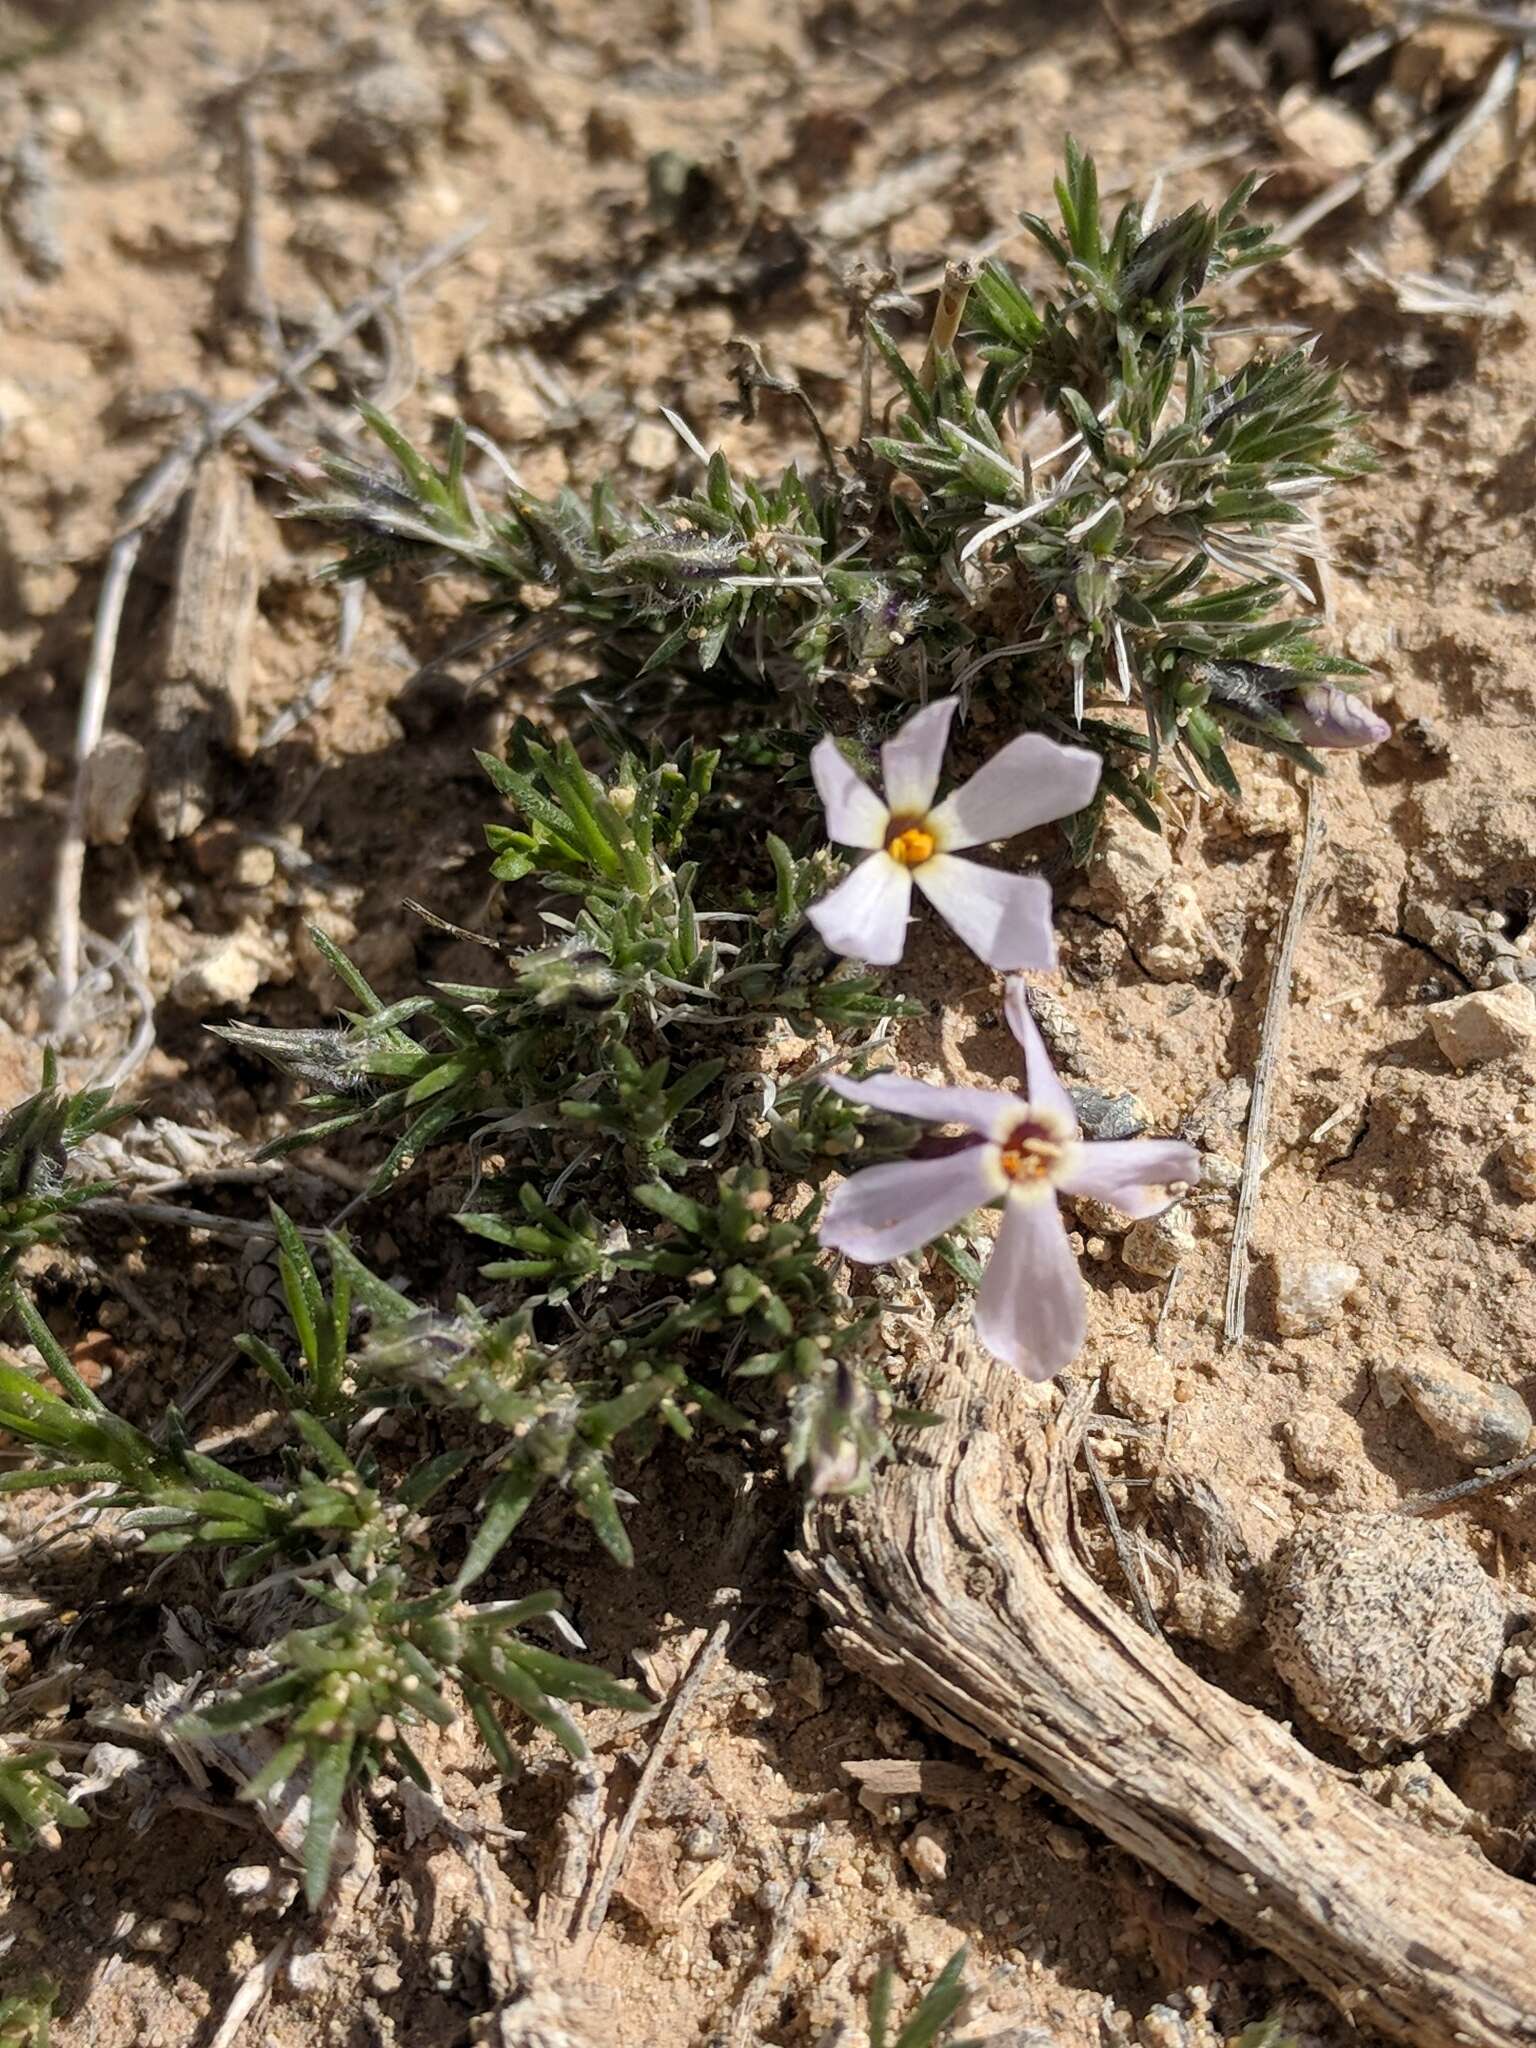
x=308 y=1971
x=926 y=1852
x=1312 y=1291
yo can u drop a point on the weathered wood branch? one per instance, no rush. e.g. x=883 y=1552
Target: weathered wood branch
x=954 y=1585
x=201 y=697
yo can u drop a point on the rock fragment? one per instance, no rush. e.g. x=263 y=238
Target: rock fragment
x=1139 y=1384
x=1219 y=1115
x=1384 y=1628
x=227 y=972
x=1490 y=1024
x=1210 y=1611
x=648 y=1883
x=652 y=446
x=1314 y=1444
x=1329 y=135
x=1483 y=1424
x=1269 y=807
x=1519 y=1717
x=1173 y=940
x=151 y=1937
x=1155 y=1245
x=926 y=1852
x=115 y=780
x=21 y=1068
x=1128 y=863
x=27 y=208
x=385 y=118
x=1518 y=1157
x=1311 y=1291
x=261 y=1887
x=1474 y=945
x=1099 y=1218
x=1109 y=1116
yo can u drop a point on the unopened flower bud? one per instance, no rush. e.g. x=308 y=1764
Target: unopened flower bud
x=1167 y=267
x=1325 y=716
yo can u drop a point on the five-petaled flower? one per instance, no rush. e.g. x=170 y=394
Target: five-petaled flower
x=1030 y=1311
x=1004 y=919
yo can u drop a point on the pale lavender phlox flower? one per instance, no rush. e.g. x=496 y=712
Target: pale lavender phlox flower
x=1031 y=1309
x=1004 y=919
x=1325 y=716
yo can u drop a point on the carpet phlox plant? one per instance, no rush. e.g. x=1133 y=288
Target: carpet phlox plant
x=1072 y=565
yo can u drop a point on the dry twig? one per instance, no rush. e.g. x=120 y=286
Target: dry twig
x=252 y=1992
x=1432 y=297
x=1120 y=33
x=575 y=1842
x=610 y=1867
x=1498 y=89
x=1343 y=189
x=70 y=873
x=152 y=498
x=323 y=681
x=741 y=2032
x=201 y=691
x=1480 y=1482
x=926 y=1777
x=1127 y=1559
x=235 y=1227
x=1271 y=1044
x=1502 y=21
x=947 y=315
x=112 y=959
x=243 y=288
x=851 y=216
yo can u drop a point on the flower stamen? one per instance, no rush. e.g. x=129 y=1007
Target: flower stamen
x=909 y=844
x=1031 y=1152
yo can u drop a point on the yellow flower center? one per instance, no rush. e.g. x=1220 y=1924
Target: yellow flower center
x=910 y=844
x=1030 y=1152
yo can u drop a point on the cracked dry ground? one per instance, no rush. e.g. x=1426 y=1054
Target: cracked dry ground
x=1383 y=1157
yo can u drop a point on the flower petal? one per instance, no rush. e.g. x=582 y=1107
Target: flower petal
x=886 y=1211
x=1026 y=783
x=1004 y=919
x=912 y=757
x=1132 y=1174
x=1325 y=716
x=855 y=815
x=866 y=915
x=1031 y=1311
x=988 y=1110
x=1040 y=1082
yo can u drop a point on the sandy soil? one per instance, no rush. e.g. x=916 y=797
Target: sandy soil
x=126 y=303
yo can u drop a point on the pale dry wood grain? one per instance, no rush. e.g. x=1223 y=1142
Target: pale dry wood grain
x=927 y=1777
x=955 y=1586
x=201 y=694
